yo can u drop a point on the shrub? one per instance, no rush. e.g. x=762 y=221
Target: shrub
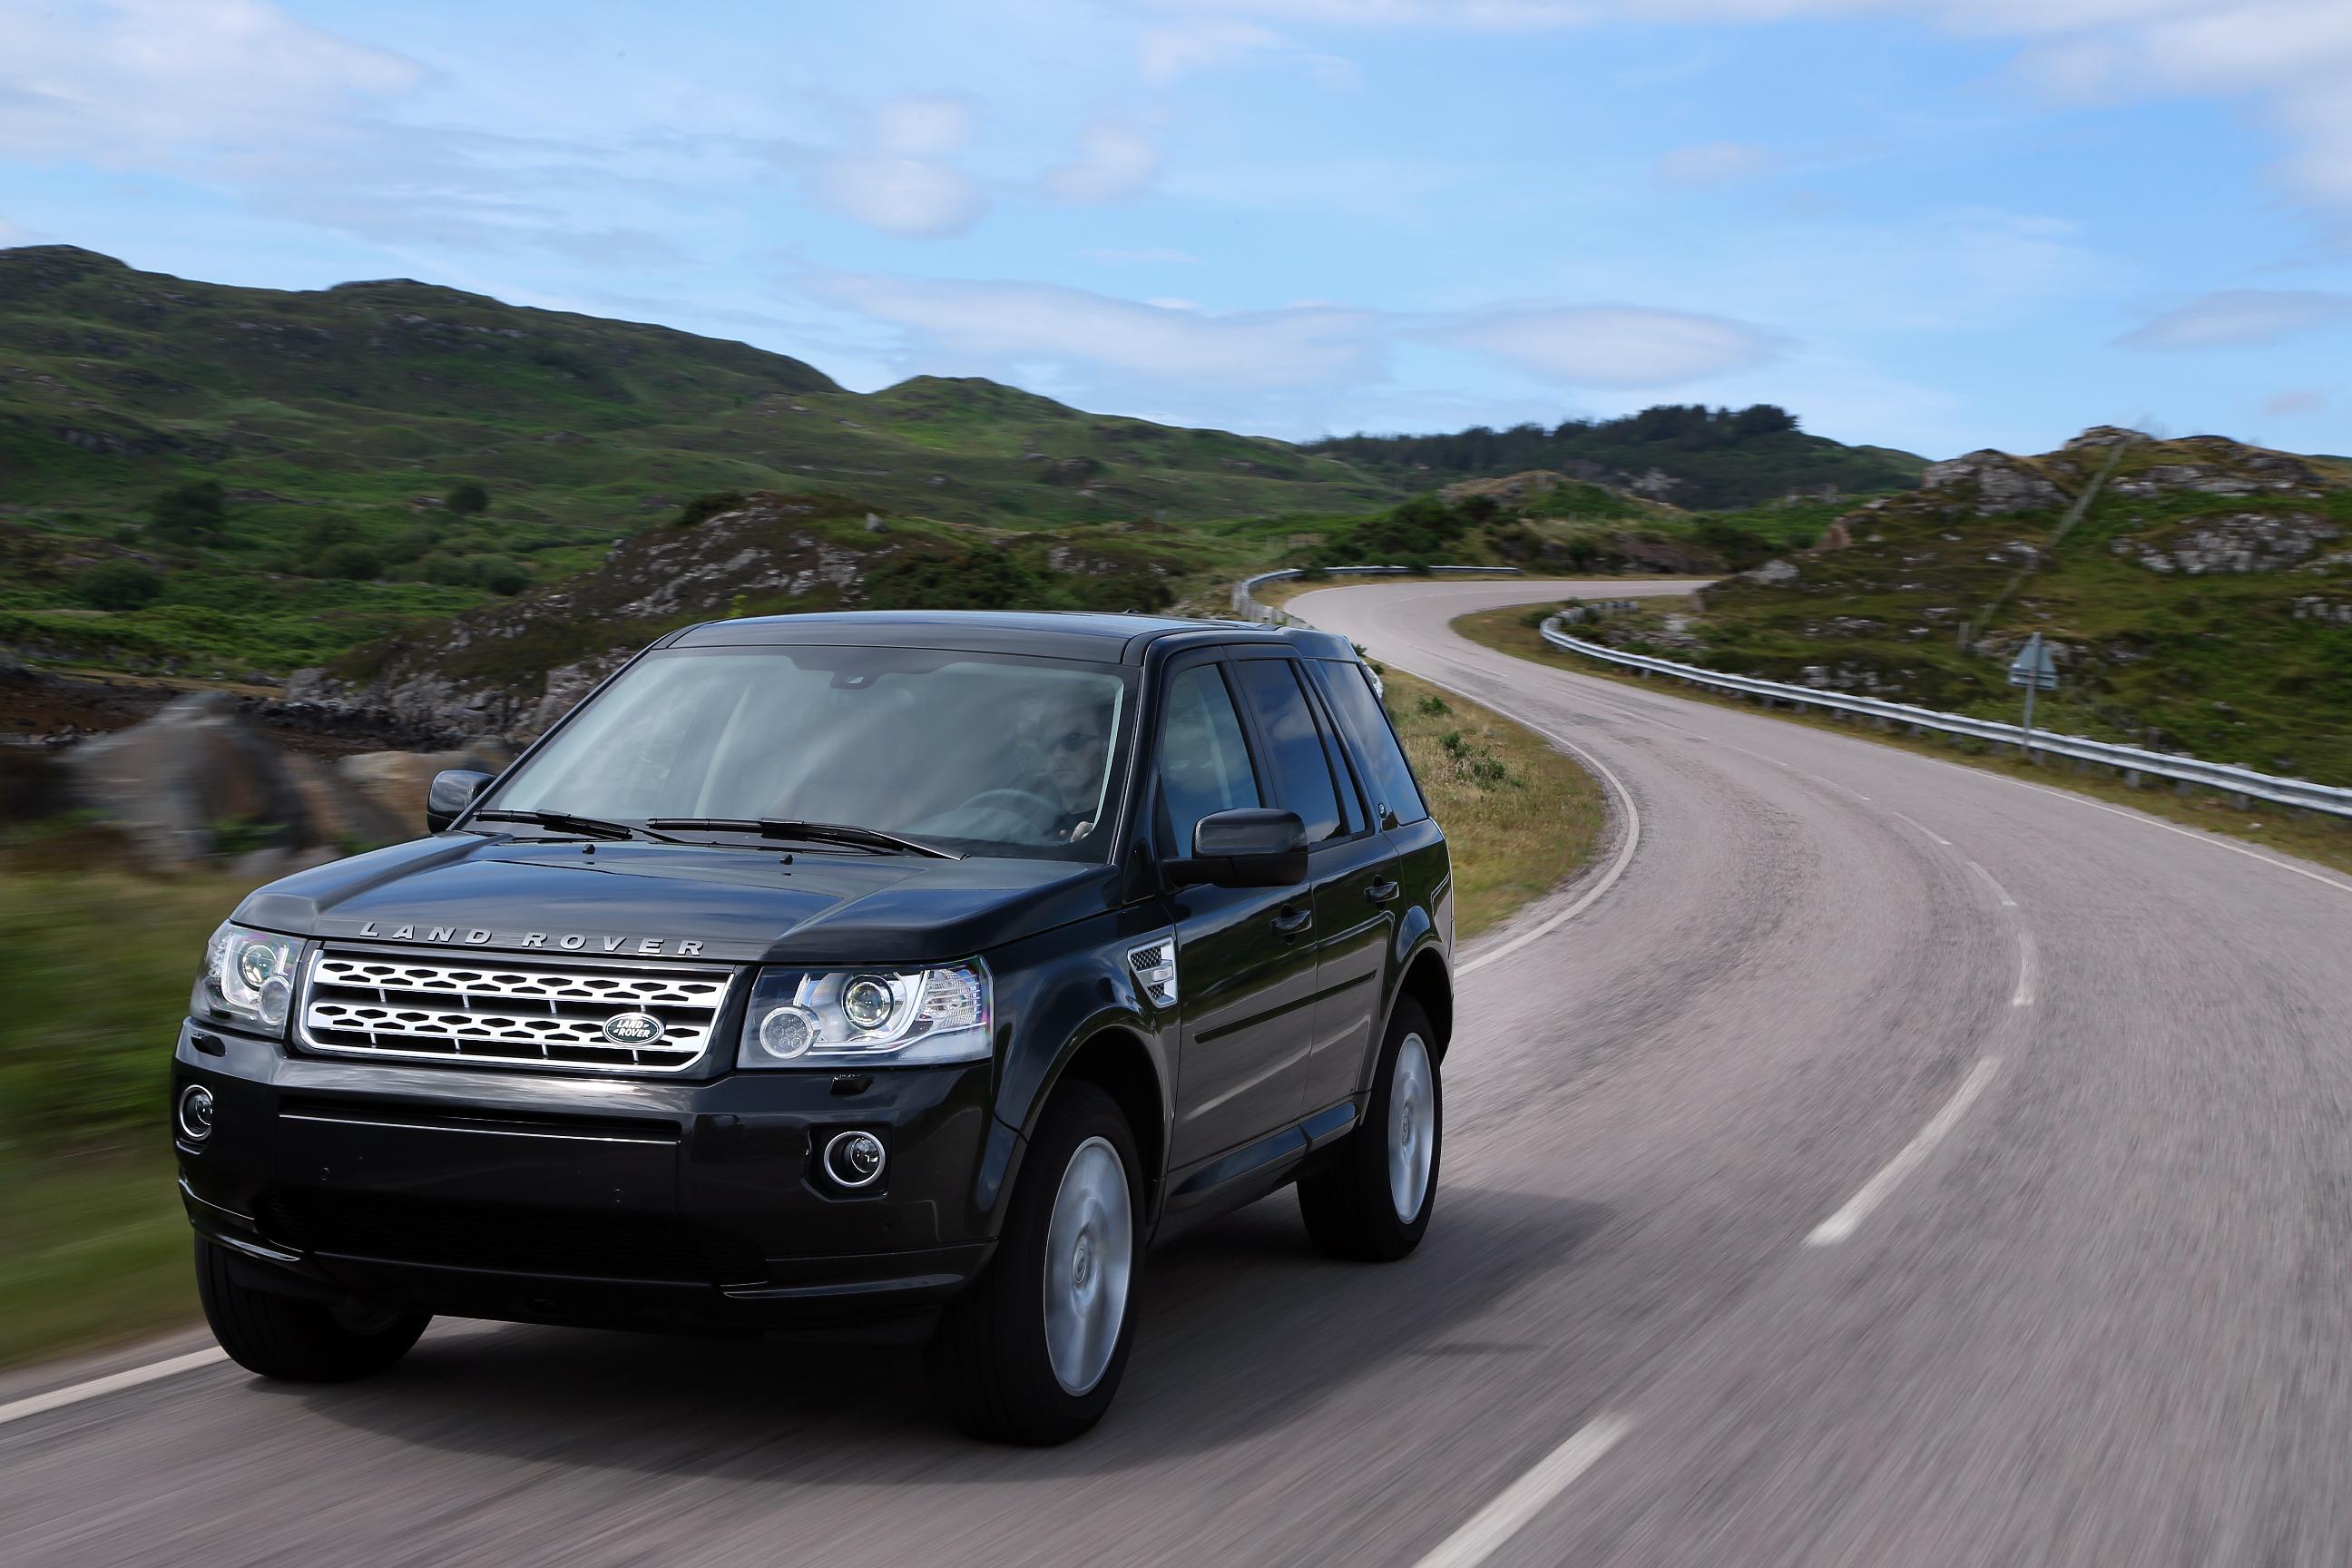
x=449 y=571
x=466 y=499
x=703 y=507
x=192 y=513
x=321 y=533
x=412 y=542
x=975 y=580
x=500 y=574
x=349 y=561
x=1431 y=706
x=117 y=586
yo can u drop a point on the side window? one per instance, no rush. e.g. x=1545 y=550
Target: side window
x=1205 y=766
x=1302 y=775
x=1389 y=776
x=1343 y=771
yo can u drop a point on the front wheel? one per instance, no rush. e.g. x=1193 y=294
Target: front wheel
x=297 y=1341
x=1372 y=1199
x=1032 y=1350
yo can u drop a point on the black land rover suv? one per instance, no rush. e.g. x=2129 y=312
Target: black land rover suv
x=898 y=974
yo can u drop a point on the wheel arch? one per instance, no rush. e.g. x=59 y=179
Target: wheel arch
x=1431 y=984
x=1115 y=1060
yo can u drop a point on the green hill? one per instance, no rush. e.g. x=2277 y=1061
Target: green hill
x=2200 y=602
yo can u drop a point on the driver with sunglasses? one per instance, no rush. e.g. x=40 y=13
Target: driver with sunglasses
x=1075 y=741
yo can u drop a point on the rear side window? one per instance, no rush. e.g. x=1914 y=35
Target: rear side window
x=1205 y=766
x=1389 y=776
x=1302 y=775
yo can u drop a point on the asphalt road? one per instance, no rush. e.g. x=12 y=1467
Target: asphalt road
x=1882 y=1162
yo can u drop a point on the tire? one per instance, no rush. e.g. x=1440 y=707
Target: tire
x=1058 y=1285
x=1351 y=1203
x=296 y=1340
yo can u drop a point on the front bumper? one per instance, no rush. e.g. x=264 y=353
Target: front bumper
x=689 y=1205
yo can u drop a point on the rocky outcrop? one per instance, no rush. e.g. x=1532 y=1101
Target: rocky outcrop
x=2235 y=541
x=1992 y=484
x=509 y=670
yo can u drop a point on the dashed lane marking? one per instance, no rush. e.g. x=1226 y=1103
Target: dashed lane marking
x=1842 y=1223
x=1520 y=1501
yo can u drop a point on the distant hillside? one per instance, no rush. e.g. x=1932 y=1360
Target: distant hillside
x=214 y=480
x=2202 y=603
x=1696 y=457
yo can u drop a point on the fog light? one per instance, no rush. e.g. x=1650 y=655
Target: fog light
x=196 y=1114
x=854 y=1159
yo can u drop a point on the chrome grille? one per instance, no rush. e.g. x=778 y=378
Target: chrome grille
x=494 y=1009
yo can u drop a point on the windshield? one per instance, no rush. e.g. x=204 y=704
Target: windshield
x=980 y=754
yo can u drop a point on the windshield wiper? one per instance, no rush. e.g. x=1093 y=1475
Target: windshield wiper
x=841 y=833
x=566 y=822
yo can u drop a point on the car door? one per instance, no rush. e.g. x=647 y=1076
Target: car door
x=1244 y=956
x=1350 y=867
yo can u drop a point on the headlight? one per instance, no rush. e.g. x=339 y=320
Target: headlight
x=867 y=1017
x=249 y=975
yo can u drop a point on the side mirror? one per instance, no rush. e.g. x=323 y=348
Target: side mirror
x=452 y=791
x=1249 y=846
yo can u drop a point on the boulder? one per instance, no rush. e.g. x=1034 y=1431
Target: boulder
x=393 y=782
x=174 y=782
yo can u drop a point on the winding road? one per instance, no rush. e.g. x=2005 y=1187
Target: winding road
x=1872 y=1161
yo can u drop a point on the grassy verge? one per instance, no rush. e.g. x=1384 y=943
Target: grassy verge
x=2322 y=839
x=93 y=1248
x=1520 y=817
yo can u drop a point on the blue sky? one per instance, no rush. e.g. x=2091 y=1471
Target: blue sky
x=1934 y=224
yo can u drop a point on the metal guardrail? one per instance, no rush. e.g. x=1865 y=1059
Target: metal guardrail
x=2134 y=763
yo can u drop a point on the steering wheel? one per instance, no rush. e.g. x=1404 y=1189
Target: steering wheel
x=1026 y=802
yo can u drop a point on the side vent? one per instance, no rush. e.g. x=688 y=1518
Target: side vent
x=1155 y=970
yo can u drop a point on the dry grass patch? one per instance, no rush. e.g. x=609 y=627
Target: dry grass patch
x=1521 y=816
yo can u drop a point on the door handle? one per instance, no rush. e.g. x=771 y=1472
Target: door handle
x=1380 y=892
x=1291 y=922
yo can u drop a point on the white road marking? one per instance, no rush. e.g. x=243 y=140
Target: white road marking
x=2215 y=840
x=1998 y=891
x=1608 y=879
x=57 y=1398
x=1520 y=1501
x=1842 y=1223
x=1928 y=831
x=2028 y=971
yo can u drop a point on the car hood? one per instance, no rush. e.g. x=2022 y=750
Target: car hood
x=640 y=900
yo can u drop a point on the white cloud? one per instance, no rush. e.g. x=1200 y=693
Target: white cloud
x=1712 y=163
x=1610 y=345
x=139 y=83
x=2235 y=317
x=911 y=198
x=1168 y=53
x=1089 y=338
x=1115 y=162
x=2293 y=58
x=896 y=177
x=2293 y=403
x=923 y=125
